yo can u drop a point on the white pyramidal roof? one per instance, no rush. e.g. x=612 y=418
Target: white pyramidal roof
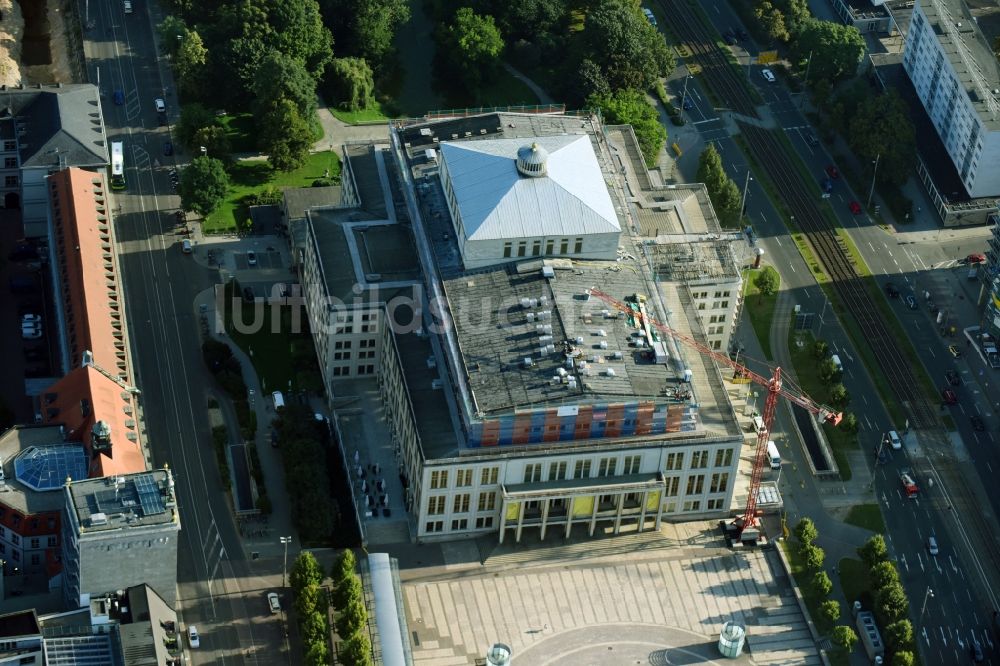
x=497 y=202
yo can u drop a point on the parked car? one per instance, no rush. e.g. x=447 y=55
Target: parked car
x=168 y=148
x=949 y=396
x=977 y=423
x=251 y=257
x=193 y=638
x=687 y=103
x=119 y=97
x=23 y=252
x=976 y=258
x=955 y=351
x=768 y=75
x=648 y=13
x=827 y=185
x=953 y=378
x=29 y=332
x=855 y=207
x=891 y=290
x=161 y=106
x=273 y=602
x=811 y=139
x=33 y=319
x=894 y=441
x=128 y=6
x=832 y=172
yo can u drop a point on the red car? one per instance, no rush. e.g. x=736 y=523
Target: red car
x=832 y=172
x=976 y=258
x=855 y=207
x=949 y=396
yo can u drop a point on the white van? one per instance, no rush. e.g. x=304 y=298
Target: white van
x=837 y=364
x=279 y=400
x=773 y=456
x=758 y=425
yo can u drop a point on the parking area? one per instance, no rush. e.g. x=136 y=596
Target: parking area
x=252 y=260
x=646 y=598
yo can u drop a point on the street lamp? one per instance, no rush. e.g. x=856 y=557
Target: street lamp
x=685 y=93
x=927 y=595
x=743 y=202
x=285 y=541
x=874 y=172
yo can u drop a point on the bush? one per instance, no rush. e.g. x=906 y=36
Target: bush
x=806 y=532
x=873 y=551
x=813 y=557
x=313 y=627
x=829 y=611
x=883 y=574
x=661 y=94
x=844 y=637
x=821 y=583
x=343 y=567
x=310 y=599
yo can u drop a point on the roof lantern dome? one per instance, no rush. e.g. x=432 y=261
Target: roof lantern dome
x=531 y=160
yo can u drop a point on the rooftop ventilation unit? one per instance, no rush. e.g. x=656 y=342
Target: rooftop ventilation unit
x=525 y=302
x=528 y=362
x=603 y=344
x=617 y=356
x=99 y=519
x=531 y=316
x=548 y=272
x=610 y=372
x=531 y=161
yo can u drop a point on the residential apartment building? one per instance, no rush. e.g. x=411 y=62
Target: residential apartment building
x=20 y=639
x=44 y=129
x=120 y=531
x=957 y=79
x=514 y=398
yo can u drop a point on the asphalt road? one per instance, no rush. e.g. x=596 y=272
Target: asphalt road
x=955 y=612
x=219 y=590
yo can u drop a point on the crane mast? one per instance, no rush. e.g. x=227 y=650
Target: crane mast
x=773 y=384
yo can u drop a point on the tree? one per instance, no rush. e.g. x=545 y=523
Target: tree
x=285 y=136
x=528 y=19
x=306 y=571
x=829 y=611
x=828 y=370
x=473 y=46
x=365 y=28
x=844 y=637
x=589 y=81
x=722 y=190
x=357 y=650
x=172 y=31
x=343 y=567
x=881 y=130
x=317 y=654
x=839 y=397
x=353 y=618
x=213 y=138
x=850 y=423
x=189 y=63
x=351 y=84
x=883 y=574
x=821 y=583
x=899 y=636
x=796 y=13
x=821 y=349
x=313 y=627
x=767 y=282
x=836 y=49
x=630 y=107
x=904 y=658
x=348 y=592
x=194 y=117
x=771 y=20
x=813 y=556
x=311 y=598
x=281 y=76
x=891 y=604
x=805 y=531
x=873 y=551
x=630 y=52
x=710 y=171
x=204 y=185
x=299 y=33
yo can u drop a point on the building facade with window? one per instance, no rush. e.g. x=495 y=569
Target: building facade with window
x=957 y=79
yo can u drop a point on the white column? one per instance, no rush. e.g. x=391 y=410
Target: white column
x=503 y=518
x=545 y=517
x=642 y=511
x=593 y=514
x=618 y=514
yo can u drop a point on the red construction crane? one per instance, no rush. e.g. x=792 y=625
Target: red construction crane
x=637 y=309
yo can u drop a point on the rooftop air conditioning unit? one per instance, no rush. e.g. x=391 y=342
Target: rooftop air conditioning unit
x=528 y=362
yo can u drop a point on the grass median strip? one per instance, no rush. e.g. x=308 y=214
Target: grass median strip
x=867 y=516
x=760 y=308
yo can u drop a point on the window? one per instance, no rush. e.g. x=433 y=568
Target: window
x=35 y=543
x=435 y=526
x=435 y=505
x=719 y=483
x=9 y=146
x=482 y=523
x=549 y=244
x=52 y=542
x=631 y=464
x=461 y=524
x=692 y=506
x=10 y=181
x=695 y=485
x=671 y=507
x=342 y=344
x=582 y=469
x=341 y=356
x=578 y=246
x=723 y=457
x=564 y=246
x=15 y=538
x=699 y=459
x=522 y=248
x=725 y=304
x=533 y=473
x=10 y=163
x=463 y=478
x=36 y=560
x=557 y=471
x=489 y=476
x=461 y=504
x=675 y=461
x=487 y=501
x=506 y=249
x=536 y=248
x=607 y=467
x=439 y=479
x=673 y=486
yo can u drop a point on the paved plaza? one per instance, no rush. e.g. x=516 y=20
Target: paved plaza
x=646 y=598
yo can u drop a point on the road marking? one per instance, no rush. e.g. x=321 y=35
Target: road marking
x=987 y=464
x=920 y=560
x=924 y=632
x=952 y=563
x=931 y=351
x=943 y=637
x=907 y=566
x=871 y=246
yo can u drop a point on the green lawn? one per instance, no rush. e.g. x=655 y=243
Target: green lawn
x=761 y=311
x=868 y=516
x=376 y=114
x=854 y=581
x=248 y=177
x=240 y=132
x=282 y=352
